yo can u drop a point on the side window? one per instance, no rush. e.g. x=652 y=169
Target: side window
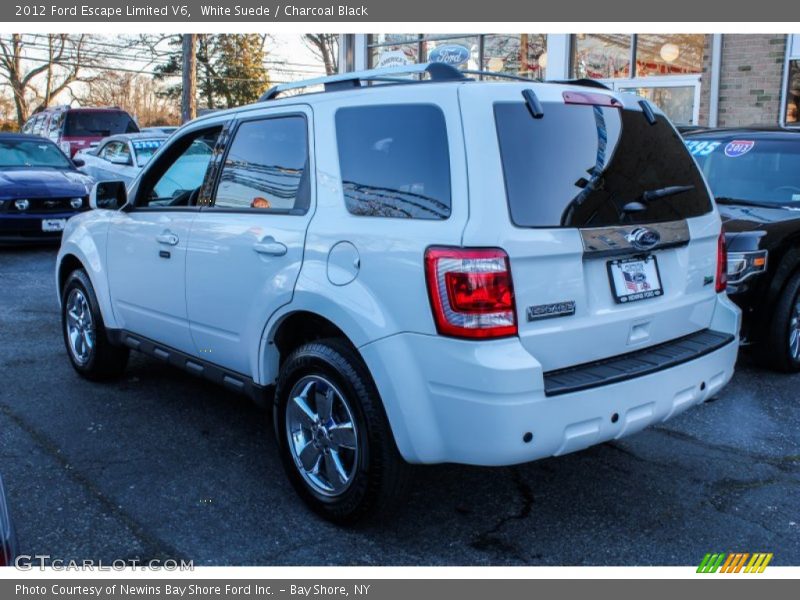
x=394 y=161
x=177 y=176
x=110 y=150
x=28 y=127
x=37 y=124
x=54 y=129
x=266 y=167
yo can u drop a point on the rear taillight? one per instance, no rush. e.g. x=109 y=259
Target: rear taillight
x=471 y=292
x=722 y=264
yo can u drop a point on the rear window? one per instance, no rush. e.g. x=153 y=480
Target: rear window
x=586 y=166
x=145 y=149
x=394 y=161
x=748 y=169
x=99 y=123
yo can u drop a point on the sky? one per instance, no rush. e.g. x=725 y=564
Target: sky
x=288 y=59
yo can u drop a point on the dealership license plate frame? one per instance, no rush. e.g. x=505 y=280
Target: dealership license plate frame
x=623 y=296
x=53 y=225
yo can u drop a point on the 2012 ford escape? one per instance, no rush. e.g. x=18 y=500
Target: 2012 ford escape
x=416 y=271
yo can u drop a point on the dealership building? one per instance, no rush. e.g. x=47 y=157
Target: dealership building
x=697 y=79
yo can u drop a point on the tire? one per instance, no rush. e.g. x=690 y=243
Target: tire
x=91 y=353
x=781 y=348
x=368 y=476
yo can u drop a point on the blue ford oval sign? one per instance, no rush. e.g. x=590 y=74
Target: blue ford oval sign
x=451 y=54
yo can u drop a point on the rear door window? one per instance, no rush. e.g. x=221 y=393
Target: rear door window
x=592 y=166
x=394 y=161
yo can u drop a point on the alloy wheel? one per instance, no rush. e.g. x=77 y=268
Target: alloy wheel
x=80 y=327
x=794 y=331
x=322 y=435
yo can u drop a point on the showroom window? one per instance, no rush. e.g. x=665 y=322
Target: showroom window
x=601 y=56
x=516 y=54
x=616 y=55
x=664 y=68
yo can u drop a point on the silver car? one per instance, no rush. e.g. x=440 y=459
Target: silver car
x=120 y=157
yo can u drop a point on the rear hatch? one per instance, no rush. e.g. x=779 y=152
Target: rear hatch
x=83 y=127
x=608 y=224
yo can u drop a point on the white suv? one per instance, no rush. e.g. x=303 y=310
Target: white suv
x=415 y=271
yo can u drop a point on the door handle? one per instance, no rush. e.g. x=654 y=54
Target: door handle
x=168 y=238
x=270 y=247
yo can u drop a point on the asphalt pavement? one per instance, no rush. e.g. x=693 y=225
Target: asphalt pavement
x=163 y=465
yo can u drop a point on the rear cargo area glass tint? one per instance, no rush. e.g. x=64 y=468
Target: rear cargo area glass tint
x=581 y=166
x=395 y=161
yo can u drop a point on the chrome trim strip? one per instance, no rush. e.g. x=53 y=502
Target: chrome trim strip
x=611 y=241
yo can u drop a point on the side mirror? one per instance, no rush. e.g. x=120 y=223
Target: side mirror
x=78 y=162
x=125 y=161
x=110 y=195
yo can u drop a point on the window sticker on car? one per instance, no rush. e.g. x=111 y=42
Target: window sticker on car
x=738 y=148
x=147 y=145
x=702 y=147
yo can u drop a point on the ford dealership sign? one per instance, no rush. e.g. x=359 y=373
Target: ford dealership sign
x=451 y=54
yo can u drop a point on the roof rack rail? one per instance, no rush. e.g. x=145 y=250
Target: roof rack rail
x=502 y=75
x=585 y=82
x=436 y=71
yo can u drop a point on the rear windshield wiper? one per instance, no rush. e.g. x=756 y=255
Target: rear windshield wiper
x=671 y=190
x=650 y=195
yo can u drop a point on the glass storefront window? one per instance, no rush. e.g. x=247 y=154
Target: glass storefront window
x=793 y=93
x=602 y=55
x=393 y=55
x=524 y=55
x=676 y=101
x=392 y=38
x=669 y=54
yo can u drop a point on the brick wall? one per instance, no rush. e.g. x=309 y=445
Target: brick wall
x=705 y=82
x=750 y=79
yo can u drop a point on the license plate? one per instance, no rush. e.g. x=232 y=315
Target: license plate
x=634 y=279
x=53 y=224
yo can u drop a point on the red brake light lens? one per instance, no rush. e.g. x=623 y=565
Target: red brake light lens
x=722 y=264
x=471 y=292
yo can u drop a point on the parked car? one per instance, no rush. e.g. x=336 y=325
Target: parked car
x=74 y=129
x=40 y=188
x=448 y=271
x=8 y=538
x=755 y=175
x=120 y=157
x=165 y=129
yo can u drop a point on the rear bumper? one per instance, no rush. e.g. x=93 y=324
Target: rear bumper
x=470 y=402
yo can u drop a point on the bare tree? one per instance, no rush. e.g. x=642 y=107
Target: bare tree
x=138 y=94
x=55 y=62
x=325 y=46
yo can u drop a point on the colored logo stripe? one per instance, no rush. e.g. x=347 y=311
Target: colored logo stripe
x=734 y=562
x=758 y=563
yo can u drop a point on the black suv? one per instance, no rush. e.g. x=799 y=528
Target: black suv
x=755 y=175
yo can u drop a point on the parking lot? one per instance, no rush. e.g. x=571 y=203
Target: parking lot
x=163 y=465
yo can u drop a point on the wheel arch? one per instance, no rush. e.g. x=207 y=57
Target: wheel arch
x=292 y=328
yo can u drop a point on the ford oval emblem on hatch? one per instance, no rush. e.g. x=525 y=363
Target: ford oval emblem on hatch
x=451 y=54
x=643 y=238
